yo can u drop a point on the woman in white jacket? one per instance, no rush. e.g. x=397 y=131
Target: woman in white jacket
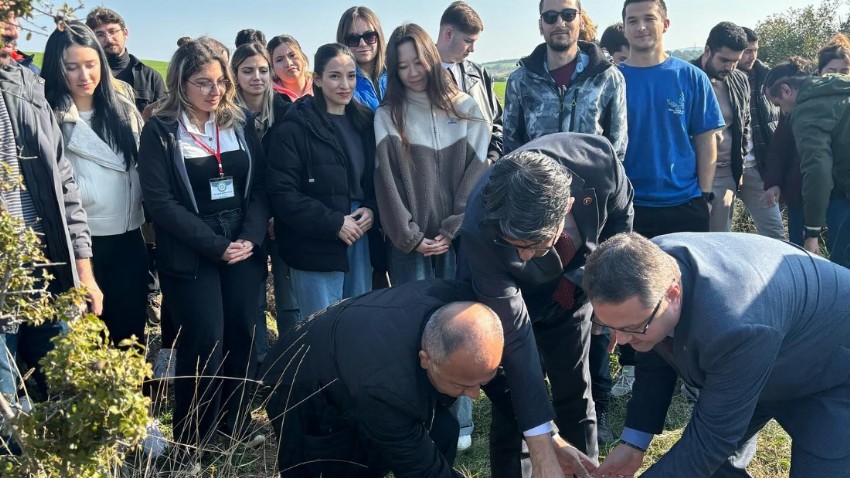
x=101 y=130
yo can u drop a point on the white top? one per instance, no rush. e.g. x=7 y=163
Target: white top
x=454 y=68
x=86 y=116
x=190 y=149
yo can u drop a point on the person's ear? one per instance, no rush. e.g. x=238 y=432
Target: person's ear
x=666 y=25
x=570 y=203
x=424 y=360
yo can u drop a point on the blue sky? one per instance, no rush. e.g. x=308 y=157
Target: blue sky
x=510 y=25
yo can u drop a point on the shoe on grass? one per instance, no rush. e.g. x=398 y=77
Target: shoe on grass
x=625 y=382
x=464 y=442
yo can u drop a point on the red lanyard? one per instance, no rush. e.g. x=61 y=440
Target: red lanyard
x=216 y=154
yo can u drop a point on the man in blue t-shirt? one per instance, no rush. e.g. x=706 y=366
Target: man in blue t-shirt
x=673 y=115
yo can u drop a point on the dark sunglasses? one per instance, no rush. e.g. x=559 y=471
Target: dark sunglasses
x=352 y=40
x=550 y=17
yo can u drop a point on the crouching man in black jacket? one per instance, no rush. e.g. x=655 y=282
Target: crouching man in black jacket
x=363 y=388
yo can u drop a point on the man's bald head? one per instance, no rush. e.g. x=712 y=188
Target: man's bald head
x=463 y=325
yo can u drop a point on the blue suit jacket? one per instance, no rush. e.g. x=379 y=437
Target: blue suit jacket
x=762 y=322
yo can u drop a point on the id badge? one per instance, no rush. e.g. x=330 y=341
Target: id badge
x=221 y=188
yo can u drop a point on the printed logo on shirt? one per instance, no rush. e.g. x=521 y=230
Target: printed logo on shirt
x=453 y=121
x=677 y=108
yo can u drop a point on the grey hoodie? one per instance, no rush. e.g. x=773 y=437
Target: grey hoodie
x=594 y=103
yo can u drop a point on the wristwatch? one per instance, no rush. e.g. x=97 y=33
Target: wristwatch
x=814 y=232
x=708 y=196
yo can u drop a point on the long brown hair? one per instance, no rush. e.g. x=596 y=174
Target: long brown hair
x=244 y=52
x=368 y=16
x=188 y=60
x=441 y=89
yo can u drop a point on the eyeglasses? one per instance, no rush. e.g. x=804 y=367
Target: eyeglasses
x=551 y=16
x=108 y=33
x=352 y=39
x=206 y=86
x=638 y=329
x=537 y=251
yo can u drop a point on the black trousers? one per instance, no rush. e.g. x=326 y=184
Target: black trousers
x=563 y=339
x=216 y=314
x=692 y=216
x=120 y=266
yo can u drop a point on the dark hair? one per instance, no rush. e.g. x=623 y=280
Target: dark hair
x=441 y=89
x=661 y=6
x=249 y=35
x=613 y=39
x=625 y=266
x=101 y=15
x=792 y=73
x=526 y=196
x=838 y=48
x=752 y=36
x=111 y=119
x=189 y=59
x=540 y=7
x=370 y=18
x=727 y=34
x=360 y=115
x=461 y=16
x=183 y=40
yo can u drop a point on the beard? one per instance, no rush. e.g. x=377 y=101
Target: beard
x=559 y=46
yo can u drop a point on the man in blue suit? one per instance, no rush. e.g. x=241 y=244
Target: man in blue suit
x=761 y=327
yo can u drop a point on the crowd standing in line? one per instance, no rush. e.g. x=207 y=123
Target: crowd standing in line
x=393 y=162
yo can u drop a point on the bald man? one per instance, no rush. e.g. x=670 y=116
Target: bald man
x=364 y=387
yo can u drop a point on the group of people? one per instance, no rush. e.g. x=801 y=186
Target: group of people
x=481 y=248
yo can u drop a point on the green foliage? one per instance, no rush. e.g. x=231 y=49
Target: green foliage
x=96 y=409
x=800 y=31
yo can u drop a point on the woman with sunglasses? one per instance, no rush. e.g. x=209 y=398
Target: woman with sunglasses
x=202 y=172
x=432 y=148
x=289 y=67
x=320 y=185
x=360 y=30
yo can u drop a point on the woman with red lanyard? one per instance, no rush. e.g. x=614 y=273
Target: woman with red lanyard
x=290 y=65
x=201 y=173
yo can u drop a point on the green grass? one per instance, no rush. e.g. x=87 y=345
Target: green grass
x=160 y=66
x=499 y=88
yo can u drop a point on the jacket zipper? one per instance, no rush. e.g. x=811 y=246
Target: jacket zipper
x=129 y=201
x=561 y=91
x=437 y=157
x=573 y=112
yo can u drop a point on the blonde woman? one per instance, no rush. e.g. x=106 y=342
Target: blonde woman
x=290 y=67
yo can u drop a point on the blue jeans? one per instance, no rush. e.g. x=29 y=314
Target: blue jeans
x=29 y=344
x=318 y=290
x=414 y=266
x=462 y=410
x=838 y=232
x=795 y=224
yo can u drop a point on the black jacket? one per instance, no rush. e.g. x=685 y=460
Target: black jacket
x=49 y=177
x=518 y=291
x=182 y=237
x=739 y=94
x=362 y=395
x=307 y=182
x=477 y=83
x=768 y=114
x=146 y=82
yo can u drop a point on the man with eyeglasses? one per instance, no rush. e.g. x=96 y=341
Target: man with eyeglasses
x=528 y=226
x=565 y=85
x=112 y=33
x=759 y=326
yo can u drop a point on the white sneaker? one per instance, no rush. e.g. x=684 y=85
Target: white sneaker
x=154 y=444
x=163 y=367
x=464 y=442
x=625 y=382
